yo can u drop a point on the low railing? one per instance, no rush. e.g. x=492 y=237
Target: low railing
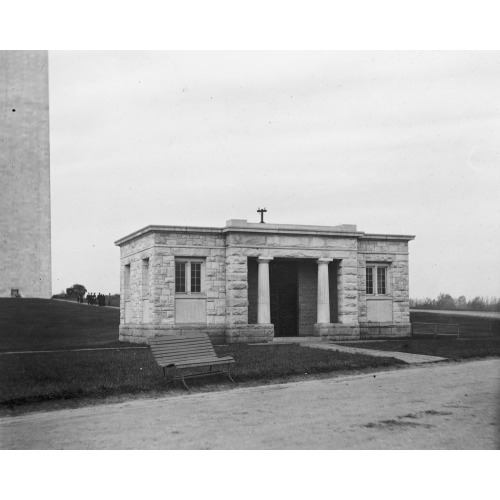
x=450 y=330
x=436 y=329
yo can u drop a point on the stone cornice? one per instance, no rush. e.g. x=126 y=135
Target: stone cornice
x=387 y=237
x=244 y=227
x=167 y=229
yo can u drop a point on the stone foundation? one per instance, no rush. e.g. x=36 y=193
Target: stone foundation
x=381 y=330
x=336 y=331
x=249 y=333
x=141 y=334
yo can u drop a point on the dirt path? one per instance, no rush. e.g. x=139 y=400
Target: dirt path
x=439 y=406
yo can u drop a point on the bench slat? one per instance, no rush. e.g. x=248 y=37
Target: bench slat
x=194 y=362
x=176 y=360
x=186 y=353
x=201 y=359
x=176 y=340
x=184 y=349
x=181 y=341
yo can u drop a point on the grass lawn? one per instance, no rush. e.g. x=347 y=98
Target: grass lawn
x=29 y=378
x=41 y=325
x=446 y=348
x=469 y=326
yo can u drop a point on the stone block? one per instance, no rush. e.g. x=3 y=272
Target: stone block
x=239 y=302
x=373 y=331
x=236 y=285
x=249 y=333
x=237 y=294
x=336 y=331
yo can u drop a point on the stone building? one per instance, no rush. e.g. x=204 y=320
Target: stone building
x=25 y=268
x=249 y=282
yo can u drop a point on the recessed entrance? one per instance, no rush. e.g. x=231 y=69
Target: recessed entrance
x=293 y=290
x=284 y=297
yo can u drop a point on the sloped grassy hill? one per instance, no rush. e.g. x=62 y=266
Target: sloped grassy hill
x=47 y=324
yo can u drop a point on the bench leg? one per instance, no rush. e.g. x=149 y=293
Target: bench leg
x=183 y=381
x=229 y=375
x=172 y=378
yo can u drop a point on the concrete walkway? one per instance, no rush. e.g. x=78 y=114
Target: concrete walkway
x=332 y=346
x=433 y=406
x=403 y=356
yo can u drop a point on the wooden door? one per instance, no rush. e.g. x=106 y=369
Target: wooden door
x=283 y=298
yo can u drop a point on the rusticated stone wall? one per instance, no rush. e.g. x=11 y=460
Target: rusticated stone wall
x=236 y=288
x=395 y=255
x=132 y=255
x=161 y=249
x=231 y=285
x=253 y=283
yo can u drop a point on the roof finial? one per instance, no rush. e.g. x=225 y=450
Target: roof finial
x=262 y=210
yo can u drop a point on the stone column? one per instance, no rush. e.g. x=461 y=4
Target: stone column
x=263 y=301
x=323 y=291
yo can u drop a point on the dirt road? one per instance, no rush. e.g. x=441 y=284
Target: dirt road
x=440 y=406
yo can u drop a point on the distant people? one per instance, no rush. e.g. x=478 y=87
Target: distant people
x=97 y=300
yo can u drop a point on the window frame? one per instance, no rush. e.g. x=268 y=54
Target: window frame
x=375 y=279
x=187 y=276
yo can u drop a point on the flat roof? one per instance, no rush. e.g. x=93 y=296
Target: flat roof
x=243 y=226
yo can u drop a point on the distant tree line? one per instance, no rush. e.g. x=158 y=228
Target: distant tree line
x=446 y=302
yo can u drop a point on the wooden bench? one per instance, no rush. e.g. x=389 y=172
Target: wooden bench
x=188 y=351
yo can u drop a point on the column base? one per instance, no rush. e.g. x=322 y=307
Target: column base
x=336 y=331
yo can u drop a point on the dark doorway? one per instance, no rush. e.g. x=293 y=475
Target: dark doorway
x=283 y=297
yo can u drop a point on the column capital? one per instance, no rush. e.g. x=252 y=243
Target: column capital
x=324 y=260
x=264 y=259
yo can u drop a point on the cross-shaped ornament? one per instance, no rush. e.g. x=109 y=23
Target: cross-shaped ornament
x=262 y=210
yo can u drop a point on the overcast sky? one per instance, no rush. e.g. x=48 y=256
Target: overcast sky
x=395 y=142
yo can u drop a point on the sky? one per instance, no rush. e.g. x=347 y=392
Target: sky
x=394 y=142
